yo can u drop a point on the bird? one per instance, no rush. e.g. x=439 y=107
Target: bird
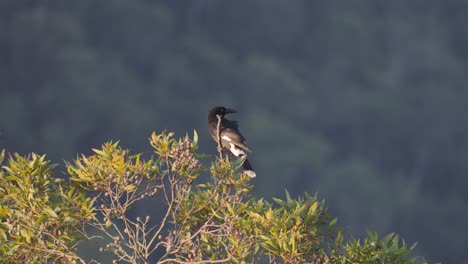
x=231 y=138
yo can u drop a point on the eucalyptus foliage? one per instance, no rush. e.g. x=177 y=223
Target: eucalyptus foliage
x=216 y=220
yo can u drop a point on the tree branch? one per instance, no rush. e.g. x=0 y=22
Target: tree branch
x=218 y=132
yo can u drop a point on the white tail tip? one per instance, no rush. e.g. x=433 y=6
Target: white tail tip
x=250 y=173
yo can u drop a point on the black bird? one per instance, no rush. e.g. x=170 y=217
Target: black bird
x=231 y=138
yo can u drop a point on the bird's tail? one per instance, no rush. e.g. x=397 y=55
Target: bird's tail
x=248 y=169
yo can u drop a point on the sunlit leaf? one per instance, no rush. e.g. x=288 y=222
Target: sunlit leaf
x=130 y=188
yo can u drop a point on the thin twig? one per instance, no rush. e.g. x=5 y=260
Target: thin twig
x=218 y=132
x=196 y=262
x=163 y=222
x=59 y=253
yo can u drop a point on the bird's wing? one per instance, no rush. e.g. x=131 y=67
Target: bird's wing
x=232 y=135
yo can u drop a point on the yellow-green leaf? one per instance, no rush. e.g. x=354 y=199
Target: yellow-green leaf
x=130 y=188
x=50 y=212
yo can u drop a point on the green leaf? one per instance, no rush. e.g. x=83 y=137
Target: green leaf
x=50 y=212
x=195 y=137
x=120 y=177
x=312 y=209
x=24 y=233
x=3 y=236
x=288 y=197
x=2 y=156
x=130 y=188
x=42 y=218
x=237 y=163
x=279 y=201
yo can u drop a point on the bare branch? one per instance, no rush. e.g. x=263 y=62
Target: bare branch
x=218 y=132
x=195 y=262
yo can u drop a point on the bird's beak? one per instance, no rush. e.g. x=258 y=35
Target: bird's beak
x=229 y=111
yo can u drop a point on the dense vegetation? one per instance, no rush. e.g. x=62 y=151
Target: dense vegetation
x=43 y=218
x=361 y=101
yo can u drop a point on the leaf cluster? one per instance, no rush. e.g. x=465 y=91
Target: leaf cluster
x=40 y=216
x=210 y=221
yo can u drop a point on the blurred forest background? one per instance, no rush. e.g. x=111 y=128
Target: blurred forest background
x=364 y=102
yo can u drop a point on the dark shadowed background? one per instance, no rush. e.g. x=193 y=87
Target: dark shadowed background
x=364 y=102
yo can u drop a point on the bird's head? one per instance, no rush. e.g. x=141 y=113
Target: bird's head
x=221 y=110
